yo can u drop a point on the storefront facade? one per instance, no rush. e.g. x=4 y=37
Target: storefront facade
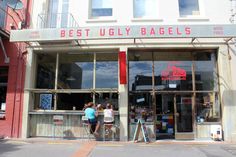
x=174 y=87
x=173 y=73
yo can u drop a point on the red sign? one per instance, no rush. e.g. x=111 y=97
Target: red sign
x=173 y=73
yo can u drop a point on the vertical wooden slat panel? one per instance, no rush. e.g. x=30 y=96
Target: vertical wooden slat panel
x=42 y=126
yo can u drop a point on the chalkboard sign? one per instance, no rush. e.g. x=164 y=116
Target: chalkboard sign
x=141 y=127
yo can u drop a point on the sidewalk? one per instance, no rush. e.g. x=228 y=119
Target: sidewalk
x=39 y=147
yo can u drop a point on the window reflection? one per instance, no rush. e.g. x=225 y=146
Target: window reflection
x=205 y=71
x=107 y=70
x=46 y=71
x=140 y=71
x=101 y=8
x=75 y=71
x=207 y=107
x=188 y=7
x=172 y=75
x=145 y=8
x=172 y=71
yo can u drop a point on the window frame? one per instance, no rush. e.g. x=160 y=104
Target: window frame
x=90 y=12
x=147 y=17
x=56 y=91
x=201 y=11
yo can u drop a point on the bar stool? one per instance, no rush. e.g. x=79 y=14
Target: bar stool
x=108 y=124
x=86 y=128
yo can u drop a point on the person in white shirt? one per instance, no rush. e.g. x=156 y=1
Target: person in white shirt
x=108 y=117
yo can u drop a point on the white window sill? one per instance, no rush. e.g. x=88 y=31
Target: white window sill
x=101 y=20
x=193 y=19
x=146 y=20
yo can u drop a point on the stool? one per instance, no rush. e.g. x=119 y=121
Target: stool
x=108 y=127
x=86 y=128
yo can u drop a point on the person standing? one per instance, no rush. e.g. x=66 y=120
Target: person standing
x=108 y=118
x=92 y=114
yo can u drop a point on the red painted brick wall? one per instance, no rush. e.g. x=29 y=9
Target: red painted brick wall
x=12 y=124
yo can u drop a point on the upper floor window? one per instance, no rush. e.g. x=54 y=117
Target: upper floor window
x=188 y=8
x=2 y=13
x=58 y=13
x=101 y=8
x=145 y=8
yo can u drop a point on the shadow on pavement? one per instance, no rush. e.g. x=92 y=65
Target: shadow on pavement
x=6 y=147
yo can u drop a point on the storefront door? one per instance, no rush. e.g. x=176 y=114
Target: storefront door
x=174 y=116
x=165 y=123
x=183 y=117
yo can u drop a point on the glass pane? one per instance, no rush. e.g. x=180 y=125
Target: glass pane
x=75 y=71
x=101 y=8
x=74 y=101
x=107 y=70
x=145 y=8
x=184 y=113
x=140 y=71
x=205 y=71
x=104 y=98
x=140 y=107
x=165 y=116
x=207 y=107
x=46 y=71
x=3 y=87
x=65 y=14
x=3 y=5
x=53 y=13
x=188 y=7
x=173 y=71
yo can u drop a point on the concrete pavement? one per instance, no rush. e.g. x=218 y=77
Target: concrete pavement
x=78 y=148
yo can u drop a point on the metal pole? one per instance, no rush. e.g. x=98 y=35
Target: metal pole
x=56 y=78
x=153 y=97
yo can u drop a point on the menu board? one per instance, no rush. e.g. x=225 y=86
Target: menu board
x=141 y=127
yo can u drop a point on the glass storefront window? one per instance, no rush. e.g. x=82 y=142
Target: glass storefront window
x=76 y=76
x=75 y=71
x=104 y=98
x=140 y=71
x=207 y=107
x=46 y=66
x=140 y=107
x=107 y=70
x=205 y=71
x=173 y=71
x=73 y=101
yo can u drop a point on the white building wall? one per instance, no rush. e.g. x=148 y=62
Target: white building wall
x=211 y=12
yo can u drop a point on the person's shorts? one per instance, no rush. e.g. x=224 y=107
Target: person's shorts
x=108 y=122
x=92 y=121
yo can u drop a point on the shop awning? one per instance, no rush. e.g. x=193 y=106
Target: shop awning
x=191 y=32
